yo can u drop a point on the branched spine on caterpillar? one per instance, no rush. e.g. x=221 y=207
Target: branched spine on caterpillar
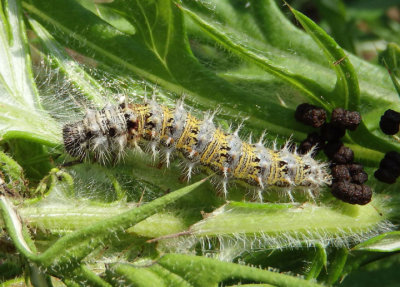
x=109 y=131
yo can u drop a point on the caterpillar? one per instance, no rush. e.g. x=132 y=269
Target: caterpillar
x=106 y=133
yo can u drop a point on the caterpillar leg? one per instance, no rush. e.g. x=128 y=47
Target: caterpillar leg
x=225 y=187
x=311 y=195
x=259 y=195
x=290 y=195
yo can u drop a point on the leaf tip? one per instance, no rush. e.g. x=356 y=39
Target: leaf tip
x=178 y=5
x=287 y=4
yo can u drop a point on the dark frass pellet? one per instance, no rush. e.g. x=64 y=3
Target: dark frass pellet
x=310 y=115
x=339 y=153
x=355 y=168
x=385 y=176
x=393 y=155
x=349 y=172
x=352 y=193
x=389 y=122
x=390 y=165
x=358 y=175
x=341 y=173
x=330 y=132
x=360 y=178
x=391 y=162
x=343 y=155
x=346 y=119
x=312 y=140
x=332 y=147
x=389 y=168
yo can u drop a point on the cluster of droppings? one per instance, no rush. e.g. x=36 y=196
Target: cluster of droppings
x=389 y=167
x=348 y=120
x=348 y=178
x=310 y=115
x=106 y=134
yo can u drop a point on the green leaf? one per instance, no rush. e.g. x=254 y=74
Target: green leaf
x=387 y=242
x=318 y=87
x=375 y=272
x=153 y=276
x=336 y=16
x=160 y=48
x=37 y=164
x=12 y=172
x=390 y=58
x=83 y=242
x=21 y=115
x=16 y=77
x=186 y=270
x=336 y=265
x=10 y=271
x=347 y=88
x=84 y=274
x=74 y=72
x=347 y=92
x=201 y=271
x=303 y=84
x=285 y=225
x=319 y=261
x=14 y=226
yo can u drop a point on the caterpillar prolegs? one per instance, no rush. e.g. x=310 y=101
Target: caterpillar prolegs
x=108 y=132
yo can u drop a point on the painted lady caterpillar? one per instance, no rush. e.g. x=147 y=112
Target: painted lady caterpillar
x=107 y=132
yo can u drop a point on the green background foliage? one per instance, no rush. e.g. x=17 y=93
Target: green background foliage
x=133 y=223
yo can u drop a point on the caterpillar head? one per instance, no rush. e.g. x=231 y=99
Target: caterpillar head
x=101 y=134
x=76 y=139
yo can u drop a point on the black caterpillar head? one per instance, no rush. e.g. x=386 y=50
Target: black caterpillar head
x=75 y=139
x=102 y=135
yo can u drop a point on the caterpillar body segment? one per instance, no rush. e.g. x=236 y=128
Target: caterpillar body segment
x=109 y=132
